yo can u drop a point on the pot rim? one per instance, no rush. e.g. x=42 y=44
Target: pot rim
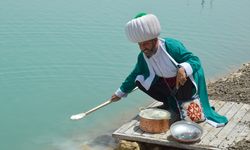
x=142 y=115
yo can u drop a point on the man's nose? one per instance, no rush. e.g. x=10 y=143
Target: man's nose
x=143 y=48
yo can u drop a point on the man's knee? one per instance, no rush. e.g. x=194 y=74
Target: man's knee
x=139 y=85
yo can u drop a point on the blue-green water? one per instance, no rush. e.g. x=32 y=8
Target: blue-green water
x=61 y=57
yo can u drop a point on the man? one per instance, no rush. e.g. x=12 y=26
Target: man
x=164 y=66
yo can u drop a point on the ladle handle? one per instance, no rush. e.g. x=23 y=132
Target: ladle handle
x=98 y=107
x=83 y=114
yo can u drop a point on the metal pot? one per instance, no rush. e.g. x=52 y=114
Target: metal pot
x=154 y=120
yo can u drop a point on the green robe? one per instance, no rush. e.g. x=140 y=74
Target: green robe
x=180 y=54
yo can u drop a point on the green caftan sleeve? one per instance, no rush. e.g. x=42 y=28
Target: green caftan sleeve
x=129 y=84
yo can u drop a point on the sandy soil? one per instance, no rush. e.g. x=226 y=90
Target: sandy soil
x=234 y=87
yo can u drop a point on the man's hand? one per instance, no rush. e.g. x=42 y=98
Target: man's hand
x=115 y=98
x=181 y=77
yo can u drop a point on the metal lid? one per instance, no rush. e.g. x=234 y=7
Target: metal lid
x=154 y=113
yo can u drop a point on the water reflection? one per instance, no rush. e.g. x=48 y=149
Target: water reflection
x=211 y=4
x=203 y=4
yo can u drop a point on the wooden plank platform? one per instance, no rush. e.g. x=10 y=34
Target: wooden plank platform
x=213 y=138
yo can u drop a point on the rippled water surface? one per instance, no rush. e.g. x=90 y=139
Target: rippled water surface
x=63 y=57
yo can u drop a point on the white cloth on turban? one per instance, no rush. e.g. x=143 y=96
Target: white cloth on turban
x=143 y=28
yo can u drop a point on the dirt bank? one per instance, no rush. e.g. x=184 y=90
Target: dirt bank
x=233 y=87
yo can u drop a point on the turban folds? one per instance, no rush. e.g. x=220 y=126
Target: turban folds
x=143 y=27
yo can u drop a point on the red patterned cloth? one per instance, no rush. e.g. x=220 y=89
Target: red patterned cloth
x=192 y=110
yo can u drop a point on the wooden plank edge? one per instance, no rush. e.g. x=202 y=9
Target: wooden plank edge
x=163 y=143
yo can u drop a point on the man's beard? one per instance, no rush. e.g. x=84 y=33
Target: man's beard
x=149 y=52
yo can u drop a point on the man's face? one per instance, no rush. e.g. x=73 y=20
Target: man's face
x=149 y=47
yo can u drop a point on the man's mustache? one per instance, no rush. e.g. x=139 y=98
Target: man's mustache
x=147 y=50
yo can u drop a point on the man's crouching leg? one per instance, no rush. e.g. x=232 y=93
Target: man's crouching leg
x=158 y=92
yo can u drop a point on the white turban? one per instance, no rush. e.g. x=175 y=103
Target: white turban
x=143 y=28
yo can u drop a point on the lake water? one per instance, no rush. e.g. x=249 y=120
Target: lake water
x=61 y=57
